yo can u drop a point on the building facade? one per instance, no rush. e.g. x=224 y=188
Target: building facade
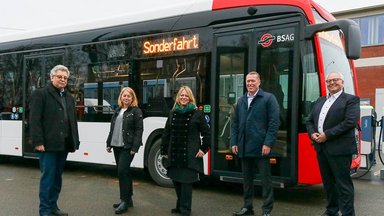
x=370 y=66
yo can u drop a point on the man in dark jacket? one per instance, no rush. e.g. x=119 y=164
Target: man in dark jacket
x=331 y=127
x=254 y=130
x=54 y=133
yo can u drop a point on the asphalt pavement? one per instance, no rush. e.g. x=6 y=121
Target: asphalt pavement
x=90 y=190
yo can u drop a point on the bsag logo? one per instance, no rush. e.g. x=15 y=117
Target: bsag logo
x=266 y=40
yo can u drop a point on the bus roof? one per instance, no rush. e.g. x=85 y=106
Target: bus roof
x=305 y=5
x=176 y=9
x=133 y=15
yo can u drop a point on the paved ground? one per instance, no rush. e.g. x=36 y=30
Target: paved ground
x=91 y=190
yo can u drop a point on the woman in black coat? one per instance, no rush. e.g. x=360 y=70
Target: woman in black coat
x=125 y=138
x=184 y=148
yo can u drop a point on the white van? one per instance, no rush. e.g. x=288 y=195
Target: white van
x=91 y=106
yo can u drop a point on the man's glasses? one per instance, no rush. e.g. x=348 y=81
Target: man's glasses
x=61 y=77
x=332 y=80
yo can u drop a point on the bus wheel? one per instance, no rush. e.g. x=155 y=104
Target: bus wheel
x=156 y=169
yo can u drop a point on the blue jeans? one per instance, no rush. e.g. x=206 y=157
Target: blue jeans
x=51 y=168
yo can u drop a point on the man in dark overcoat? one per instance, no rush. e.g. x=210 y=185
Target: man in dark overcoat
x=254 y=131
x=54 y=133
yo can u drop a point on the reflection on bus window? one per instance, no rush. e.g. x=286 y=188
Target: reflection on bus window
x=91 y=106
x=334 y=59
x=310 y=89
x=161 y=79
x=275 y=66
x=10 y=82
x=232 y=60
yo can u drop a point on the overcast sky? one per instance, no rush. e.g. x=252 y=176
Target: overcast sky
x=342 y=5
x=20 y=15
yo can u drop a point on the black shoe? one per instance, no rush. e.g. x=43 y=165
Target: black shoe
x=175 y=211
x=267 y=214
x=244 y=211
x=58 y=212
x=329 y=214
x=123 y=207
x=130 y=204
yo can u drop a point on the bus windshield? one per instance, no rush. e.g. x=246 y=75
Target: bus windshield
x=334 y=59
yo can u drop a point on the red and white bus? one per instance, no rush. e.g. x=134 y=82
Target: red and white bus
x=208 y=45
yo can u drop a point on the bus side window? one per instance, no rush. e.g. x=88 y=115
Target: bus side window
x=159 y=106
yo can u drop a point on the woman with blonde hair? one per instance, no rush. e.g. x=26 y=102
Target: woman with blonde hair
x=125 y=137
x=182 y=145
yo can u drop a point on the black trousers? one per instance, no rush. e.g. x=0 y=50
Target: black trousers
x=338 y=185
x=123 y=159
x=184 y=196
x=249 y=167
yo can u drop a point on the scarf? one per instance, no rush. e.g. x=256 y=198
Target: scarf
x=188 y=108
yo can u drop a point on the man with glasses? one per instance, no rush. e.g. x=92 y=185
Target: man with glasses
x=331 y=127
x=53 y=128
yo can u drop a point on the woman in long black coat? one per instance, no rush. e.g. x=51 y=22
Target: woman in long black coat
x=184 y=148
x=125 y=137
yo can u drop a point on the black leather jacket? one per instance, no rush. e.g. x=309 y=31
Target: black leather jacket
x=132 y=128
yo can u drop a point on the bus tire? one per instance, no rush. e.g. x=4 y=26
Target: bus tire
x=156 y=169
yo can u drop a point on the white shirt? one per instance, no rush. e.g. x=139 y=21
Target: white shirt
x=324 y=110
x=250 y=97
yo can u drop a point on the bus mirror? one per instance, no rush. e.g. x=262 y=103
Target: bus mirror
x=350 y=30
x=231 y=98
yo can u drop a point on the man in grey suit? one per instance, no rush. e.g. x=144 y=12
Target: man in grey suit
x=331 y=127
x=254 y=131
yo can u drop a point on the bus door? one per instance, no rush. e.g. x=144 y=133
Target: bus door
x=269 y=50
x=36 y=74
x=232 y=63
